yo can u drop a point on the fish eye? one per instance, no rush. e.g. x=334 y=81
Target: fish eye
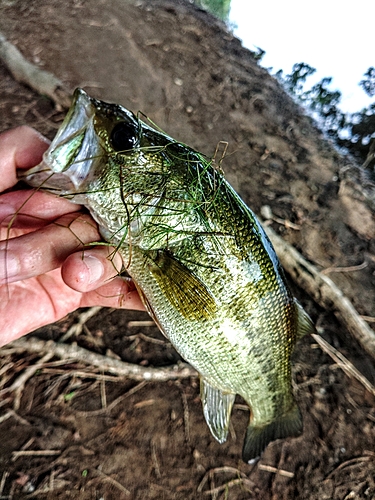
x=123 y=136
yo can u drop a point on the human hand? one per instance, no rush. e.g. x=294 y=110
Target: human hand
x=45 y=269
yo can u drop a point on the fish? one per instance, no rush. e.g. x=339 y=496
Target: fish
x=201 y=261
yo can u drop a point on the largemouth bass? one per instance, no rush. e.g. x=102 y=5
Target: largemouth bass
x=204 y=267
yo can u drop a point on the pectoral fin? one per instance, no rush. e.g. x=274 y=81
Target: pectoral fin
x=187 y=293
x=217 y=407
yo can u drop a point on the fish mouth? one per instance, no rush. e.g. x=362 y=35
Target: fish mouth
x=67 y=162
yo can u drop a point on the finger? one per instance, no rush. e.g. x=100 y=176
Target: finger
x=120 y=293
x=21 y=147
x=32 y=209
x=36 y=253
x=88 y=270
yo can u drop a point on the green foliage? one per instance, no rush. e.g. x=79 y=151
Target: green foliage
x=295 y=81
x=355 y=132
x=219 y=8
x=258 y=54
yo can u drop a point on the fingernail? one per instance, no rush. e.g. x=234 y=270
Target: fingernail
x=95 y=268
x=9 y=265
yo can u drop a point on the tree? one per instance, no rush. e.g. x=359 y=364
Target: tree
x=355 y=132
x=368 y=84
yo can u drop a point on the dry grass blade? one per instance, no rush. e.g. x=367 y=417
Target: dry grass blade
x=344 y=363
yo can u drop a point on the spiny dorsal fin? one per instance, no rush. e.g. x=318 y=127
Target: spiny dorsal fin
x=187 y=293
x=217 y=408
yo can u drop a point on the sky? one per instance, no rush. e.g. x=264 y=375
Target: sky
x=333 y=36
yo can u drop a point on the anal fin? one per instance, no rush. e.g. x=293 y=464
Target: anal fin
x=258 y=437
x=217 y=408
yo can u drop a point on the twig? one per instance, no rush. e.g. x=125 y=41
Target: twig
x=12 y=413
x=106 y=364
x=114 y=403
x=136 y=324
x=145 y=338
x=344 y=363
x=369 y=319
x=349 y=463
x=115 y=483
x=186 y=416
x=19 y=384
x=347 y=269
x=218 y=470
x=34 y=453
x=274 y=470
x=154 y=458
x=3 y=481
x=103 y=395
x=323 y=290
x=23 y=71
x=76 y=329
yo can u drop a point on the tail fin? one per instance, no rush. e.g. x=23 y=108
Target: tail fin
x=257 y=437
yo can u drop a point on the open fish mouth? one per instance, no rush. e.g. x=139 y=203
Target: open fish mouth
x=69 y=159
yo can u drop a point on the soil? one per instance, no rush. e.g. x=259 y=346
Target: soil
x=88 y=435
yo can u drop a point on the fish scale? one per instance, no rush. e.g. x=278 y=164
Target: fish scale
x=203 y=266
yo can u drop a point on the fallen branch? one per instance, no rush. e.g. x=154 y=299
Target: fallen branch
x=74 y=353
x=323 y=290
x=43 y=82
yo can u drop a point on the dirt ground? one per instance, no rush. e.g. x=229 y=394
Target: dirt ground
x=80 y=433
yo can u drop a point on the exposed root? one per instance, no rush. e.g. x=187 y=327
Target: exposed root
x=74 y=353
x=323 y=290
x=41 y=81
